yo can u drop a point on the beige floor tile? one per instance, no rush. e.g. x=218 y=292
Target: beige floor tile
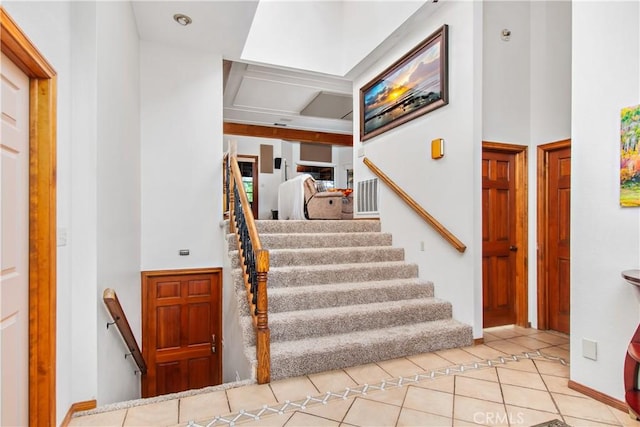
x=367 y=374
x=365 y=412
x=300 y=419
x=556 y=352
x=566 y=346
x=272 y=420
x=525 y=331
x=333 y=410
x=250 y=397
x=559 y=385
x=432 y=401
x=624 y=418
x=457 y=356
x=202 y=406
x=332 y=381
x=155 y=414
x=503 y=332
x=480 y=411
x=580 y=422
x=429 y=361
x=552 y=368
x=479 y=389
x=402 y=367
x=110 y=418
x=293 y=389
x=462 y=423
x=528 y=398
x=445 y=384
x=552 y=338
x=487 y=337
x=520 y=378
x=525 y=365
x=584 y=408
x=392 y=396
x=487 y=374
x=412 y=418
x=528 y=417
x=529 y=342
x=484 y=352
x=508 y=347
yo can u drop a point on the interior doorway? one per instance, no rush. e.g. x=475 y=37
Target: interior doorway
x=504 y=234
x=554 y=238
x=249 y=171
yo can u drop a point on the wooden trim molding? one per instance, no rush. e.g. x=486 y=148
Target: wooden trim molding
x=42 y=219
x=542 y=226
x=87 y=405
x=522 y=228
x=478 y=341
x=599 y=396
x=288 y=134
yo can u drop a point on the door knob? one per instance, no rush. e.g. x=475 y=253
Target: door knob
x=513 y=248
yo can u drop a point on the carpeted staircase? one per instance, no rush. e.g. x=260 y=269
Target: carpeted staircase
x=340 y=295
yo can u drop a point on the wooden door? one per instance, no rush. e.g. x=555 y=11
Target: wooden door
x=558 y=238
x=181 y=330
x=14 y=256
x=498 y=238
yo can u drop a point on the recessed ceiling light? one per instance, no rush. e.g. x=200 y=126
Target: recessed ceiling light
x=181 y=19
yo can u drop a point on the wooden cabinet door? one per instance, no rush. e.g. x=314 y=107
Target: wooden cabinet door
x=181 y=330
x=498 y=238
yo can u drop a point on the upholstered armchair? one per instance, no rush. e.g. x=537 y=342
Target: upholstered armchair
x=321 y=204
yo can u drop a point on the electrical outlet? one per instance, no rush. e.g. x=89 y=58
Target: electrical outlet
x=589 y=349
x=61 y=236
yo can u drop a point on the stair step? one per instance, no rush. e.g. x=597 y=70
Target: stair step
x=318 y=226
x=295 y=325
x=334 y=295
x=323 y=256
x=323 y=240
x=340 y=273
x=311 y=355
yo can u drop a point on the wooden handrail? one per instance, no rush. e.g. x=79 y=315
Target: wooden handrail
x=120 y=320
x=455 y=242
x=255 y=260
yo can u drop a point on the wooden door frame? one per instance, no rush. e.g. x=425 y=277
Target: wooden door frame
x=542 y=225
x=521 y=218
x=42 y=218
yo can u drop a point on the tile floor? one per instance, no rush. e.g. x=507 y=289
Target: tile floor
x=518 y=377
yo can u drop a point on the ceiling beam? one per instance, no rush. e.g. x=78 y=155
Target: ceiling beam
x=288 y=134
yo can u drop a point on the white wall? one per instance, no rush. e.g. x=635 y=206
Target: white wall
x=527 y=89
x=447 y=188
x=181 y=111
x=605 y=237
x=118 y=193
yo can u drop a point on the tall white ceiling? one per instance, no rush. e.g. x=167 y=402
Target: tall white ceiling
x=285 y=52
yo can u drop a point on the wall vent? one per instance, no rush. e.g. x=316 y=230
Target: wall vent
x=367 y=194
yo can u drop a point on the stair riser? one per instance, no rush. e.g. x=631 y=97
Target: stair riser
x=338 y=226
x=281 y=303
x=282 y=258
x=296 y=241
x=333 y=274
x=308 y=327
x=346 y=356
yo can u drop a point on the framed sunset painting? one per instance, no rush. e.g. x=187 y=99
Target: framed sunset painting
x=414 y=85
x=630 y=156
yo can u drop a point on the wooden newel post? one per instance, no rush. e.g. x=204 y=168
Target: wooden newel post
x=263 y=337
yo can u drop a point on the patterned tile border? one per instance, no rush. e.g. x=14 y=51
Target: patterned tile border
x=362 y=390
